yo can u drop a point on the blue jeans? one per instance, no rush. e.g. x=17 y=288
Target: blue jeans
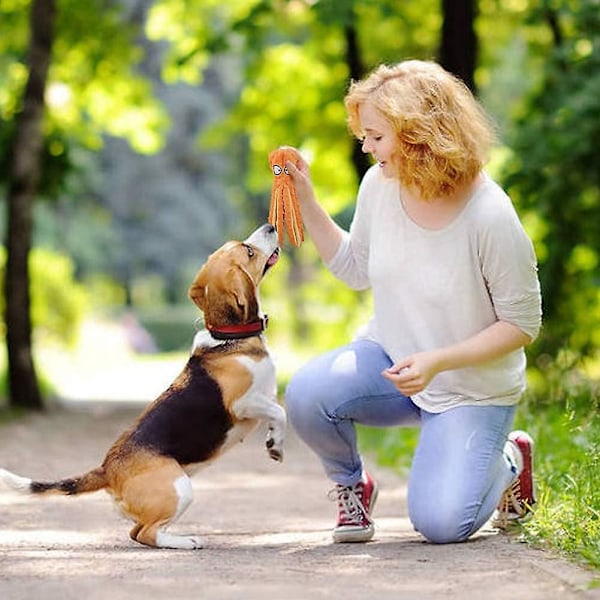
x=459 y=470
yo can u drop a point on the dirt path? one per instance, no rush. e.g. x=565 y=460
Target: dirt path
x=266 y=528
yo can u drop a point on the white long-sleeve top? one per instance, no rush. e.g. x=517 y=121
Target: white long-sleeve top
x=435 y=288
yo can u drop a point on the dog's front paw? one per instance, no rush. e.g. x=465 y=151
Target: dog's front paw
x=276 y=454
x=274 y=449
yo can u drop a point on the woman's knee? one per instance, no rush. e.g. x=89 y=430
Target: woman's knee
x=441 y=524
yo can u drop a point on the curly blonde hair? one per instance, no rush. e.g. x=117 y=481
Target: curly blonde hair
x=444 y=135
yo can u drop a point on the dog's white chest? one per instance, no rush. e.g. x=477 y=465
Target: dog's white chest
x=263 y=374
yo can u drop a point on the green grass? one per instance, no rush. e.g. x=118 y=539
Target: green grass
x=565 y=423
x=562 y=414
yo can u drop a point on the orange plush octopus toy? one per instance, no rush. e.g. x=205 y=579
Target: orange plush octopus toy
x=284 y=209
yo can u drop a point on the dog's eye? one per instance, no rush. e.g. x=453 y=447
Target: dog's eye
x=249 y=250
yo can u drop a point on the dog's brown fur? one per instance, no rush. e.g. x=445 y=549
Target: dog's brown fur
x=226 y=388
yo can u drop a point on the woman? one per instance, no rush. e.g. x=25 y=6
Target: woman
x=456 y=298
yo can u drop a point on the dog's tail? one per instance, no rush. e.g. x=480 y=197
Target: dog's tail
x=91 y=481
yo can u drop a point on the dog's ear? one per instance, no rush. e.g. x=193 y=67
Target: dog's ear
x=197 y=291
x=227 y=297
x=243 y=289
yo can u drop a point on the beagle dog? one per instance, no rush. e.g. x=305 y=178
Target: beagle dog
x=226 y=388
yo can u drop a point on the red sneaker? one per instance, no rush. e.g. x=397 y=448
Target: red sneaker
x=518 y=500
x=355 y=504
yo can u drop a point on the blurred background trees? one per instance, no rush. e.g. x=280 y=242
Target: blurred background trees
x=159 y=116
x=553 y=173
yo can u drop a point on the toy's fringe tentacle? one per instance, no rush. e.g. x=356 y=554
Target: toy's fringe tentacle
x=296 y=219
x=293 y=223
x=288 y=210
x=280 y=214
x=276 y=212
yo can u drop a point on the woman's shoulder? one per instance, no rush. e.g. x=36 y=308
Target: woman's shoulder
x=491 y=205
x=493 y=219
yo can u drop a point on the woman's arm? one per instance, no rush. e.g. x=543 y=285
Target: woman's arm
x=324 y=232
x=412 y=374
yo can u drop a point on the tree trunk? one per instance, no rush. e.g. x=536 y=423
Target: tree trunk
x=356 y=69
x=458 y=48
x=23 y=184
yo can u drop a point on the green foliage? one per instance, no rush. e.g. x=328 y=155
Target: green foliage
x=293 y=58
x=393 y=447
x=93 y=88
x=55 y=158
x=308 y=308
x=104 y=293
x=172 y=328
x=58 y=301
x=553 y=172
x=291 y=64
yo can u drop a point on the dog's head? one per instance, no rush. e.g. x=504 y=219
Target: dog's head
x=225 y=289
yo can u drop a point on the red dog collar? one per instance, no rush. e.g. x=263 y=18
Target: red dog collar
x=233 y=332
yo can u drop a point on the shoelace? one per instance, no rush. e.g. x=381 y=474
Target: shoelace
x=511 y=504
x=349 y=499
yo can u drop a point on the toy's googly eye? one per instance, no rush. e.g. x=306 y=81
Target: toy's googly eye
x=286 y=171
x=277 y=170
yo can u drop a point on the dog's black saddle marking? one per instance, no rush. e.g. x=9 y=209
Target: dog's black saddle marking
x=187 y=422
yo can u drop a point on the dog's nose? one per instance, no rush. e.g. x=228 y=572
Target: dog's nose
x=269 y=228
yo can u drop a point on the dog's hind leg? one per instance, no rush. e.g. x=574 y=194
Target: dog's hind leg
x=155 y=499
x=134 y=532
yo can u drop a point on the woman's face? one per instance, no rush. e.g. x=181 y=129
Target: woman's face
x=380 y=139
